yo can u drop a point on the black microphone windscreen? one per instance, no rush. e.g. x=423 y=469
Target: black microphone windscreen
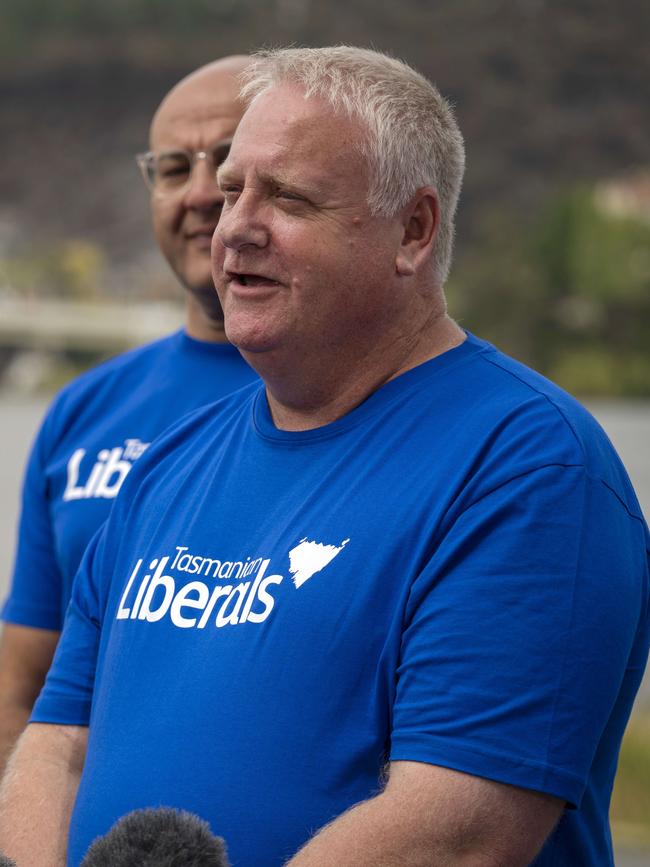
x=158 y=837
x=6 y=862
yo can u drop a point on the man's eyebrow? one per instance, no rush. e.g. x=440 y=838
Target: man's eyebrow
x=226 y=172
x=222 y=147
x=281 y=179
x=167 y=152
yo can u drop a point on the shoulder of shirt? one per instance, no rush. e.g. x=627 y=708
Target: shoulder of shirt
x=75 y=392
x=534 y=389
x=581 y=438
x=115 y=366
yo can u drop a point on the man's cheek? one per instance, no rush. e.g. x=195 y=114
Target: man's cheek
x=217 y=256
x=167 y=217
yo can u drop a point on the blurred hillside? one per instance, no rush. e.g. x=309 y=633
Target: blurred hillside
x=551 y=96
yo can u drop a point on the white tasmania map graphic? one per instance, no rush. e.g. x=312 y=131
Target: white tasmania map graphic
x=308 y=558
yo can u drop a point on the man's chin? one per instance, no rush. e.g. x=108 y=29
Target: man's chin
x=250 y=337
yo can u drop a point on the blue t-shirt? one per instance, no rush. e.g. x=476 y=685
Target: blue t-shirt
x=95 y=429
x=455 y=572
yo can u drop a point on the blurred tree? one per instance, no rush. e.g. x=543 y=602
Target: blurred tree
x=72 y=269
x=568 y=293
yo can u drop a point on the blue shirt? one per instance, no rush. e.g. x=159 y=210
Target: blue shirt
x=455 y=573
x=93 y=432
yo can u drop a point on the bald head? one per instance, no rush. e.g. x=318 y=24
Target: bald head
x=198 y=117
x=214 y=84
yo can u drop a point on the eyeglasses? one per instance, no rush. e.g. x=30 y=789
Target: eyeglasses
x=169 y=172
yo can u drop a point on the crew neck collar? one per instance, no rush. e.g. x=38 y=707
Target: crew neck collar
x=412 y=379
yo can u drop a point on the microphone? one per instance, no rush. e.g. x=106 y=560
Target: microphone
x=6 y=862
x=157 y=837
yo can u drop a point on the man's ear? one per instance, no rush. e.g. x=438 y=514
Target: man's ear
x=421 y=219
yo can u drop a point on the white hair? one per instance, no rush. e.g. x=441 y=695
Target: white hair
x=412 y=138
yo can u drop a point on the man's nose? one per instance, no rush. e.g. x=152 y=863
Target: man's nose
x=202 y=191
x=242 y=224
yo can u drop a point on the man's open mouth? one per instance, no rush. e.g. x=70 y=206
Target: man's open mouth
x=251 y=280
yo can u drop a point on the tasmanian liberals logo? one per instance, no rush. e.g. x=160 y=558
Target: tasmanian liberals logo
x=107 y=473
x=244 y=593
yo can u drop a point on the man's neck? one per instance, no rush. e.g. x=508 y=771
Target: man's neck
x=200 y=325
x=300 y=401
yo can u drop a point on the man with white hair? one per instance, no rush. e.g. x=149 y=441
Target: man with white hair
x=398 y=593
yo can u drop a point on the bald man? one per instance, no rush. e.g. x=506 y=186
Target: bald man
x=103 y=421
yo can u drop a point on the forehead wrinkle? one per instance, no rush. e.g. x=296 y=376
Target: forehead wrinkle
x=170 y=150
x=287 y=148
x=278 y=163
x=194 y=135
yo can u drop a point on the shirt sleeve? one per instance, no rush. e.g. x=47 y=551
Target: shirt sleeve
x=36 y=587
x=66 y=697
x=518 y=633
